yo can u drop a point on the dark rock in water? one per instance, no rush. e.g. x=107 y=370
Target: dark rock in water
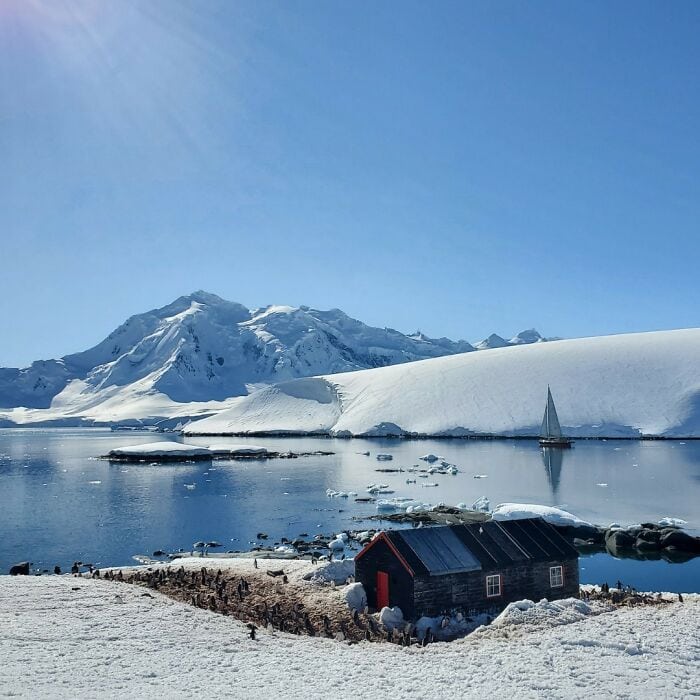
x=651 y=536
x=159 y=553
x=646 y=544
x=21 y=569
x=261 y=536
x=651 y=526
x=680 y=540
x=676 y=556
x=583 y=532
x=619 y=539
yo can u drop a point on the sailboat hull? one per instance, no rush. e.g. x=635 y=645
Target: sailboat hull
x=556 y=442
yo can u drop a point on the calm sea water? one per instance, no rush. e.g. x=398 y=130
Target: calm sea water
x=58 y=503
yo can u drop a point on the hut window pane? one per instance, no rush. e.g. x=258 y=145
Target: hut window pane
x=493 y=586
x=556 y=576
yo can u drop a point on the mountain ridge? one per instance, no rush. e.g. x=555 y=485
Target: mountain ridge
x=201 y=348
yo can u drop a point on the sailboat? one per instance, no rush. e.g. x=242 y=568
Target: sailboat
x=550 y=433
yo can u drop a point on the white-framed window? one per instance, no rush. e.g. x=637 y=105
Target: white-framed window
x=493 y=586
x=556 y=576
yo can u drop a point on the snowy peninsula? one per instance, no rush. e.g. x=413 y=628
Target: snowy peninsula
x=622 y=386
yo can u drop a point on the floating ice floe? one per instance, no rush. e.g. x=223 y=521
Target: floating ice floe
x=481 y=476
x=400 y=503
x=482 y=503
x=449 y=469
x=429 y=485
x=672 y=522
x=430 y=458
x=168 y=450
x=383 y=457
x=375 y=489
x=336 y=494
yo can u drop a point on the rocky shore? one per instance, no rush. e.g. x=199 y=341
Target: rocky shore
x=663 y=540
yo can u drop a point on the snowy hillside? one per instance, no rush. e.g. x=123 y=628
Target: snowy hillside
x=615 y=386
x=177 y=360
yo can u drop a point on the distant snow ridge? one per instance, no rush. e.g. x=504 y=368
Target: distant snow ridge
x=643 y=384
x=197 y=350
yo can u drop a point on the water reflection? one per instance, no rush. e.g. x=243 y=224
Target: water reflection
x=553 y=458
x=58 y=503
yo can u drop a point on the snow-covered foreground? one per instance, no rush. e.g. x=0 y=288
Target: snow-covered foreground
x=615 y=386
x=108 y=639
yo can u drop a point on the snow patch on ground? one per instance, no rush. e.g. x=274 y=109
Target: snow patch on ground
x=554 y=516
x=559 y=612
x=334 y=571
x=107 y=640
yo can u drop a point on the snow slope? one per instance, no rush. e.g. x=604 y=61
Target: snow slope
x=198 y=350
x=614 y=386
x=57 y=642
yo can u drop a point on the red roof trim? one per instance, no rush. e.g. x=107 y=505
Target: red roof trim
x=382 y=536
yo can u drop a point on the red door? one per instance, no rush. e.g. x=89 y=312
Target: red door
x=382 y=590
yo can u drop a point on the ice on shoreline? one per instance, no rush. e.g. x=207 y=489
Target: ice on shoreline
x=554 y=516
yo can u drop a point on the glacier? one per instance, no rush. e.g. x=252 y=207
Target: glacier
x=622 y=386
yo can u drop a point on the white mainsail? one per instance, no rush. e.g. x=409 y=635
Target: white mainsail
x=550 y=422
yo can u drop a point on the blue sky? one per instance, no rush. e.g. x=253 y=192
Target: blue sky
x=458 y=167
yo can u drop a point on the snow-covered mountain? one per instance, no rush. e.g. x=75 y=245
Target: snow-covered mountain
x=198 y=350
x=643 y=384
x=523 y=338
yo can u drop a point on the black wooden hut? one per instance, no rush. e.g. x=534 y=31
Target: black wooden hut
x=476 y=567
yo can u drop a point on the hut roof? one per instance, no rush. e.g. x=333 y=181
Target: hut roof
x=433 y=551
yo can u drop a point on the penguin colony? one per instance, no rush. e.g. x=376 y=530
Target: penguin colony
x=270 y=604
